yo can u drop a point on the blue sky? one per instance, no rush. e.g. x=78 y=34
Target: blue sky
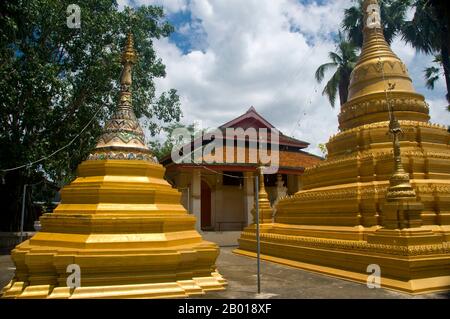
x=185 y=41
x=227 y=55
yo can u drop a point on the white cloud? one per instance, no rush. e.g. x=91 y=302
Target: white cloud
x=264 y=53
x=404 y=51
x=438 y=111
x=254 y=58
x=122 y=4
x=314 y=19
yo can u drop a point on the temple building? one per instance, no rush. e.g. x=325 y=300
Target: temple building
x=221 y=194
x=377 y=210
x=120 y=230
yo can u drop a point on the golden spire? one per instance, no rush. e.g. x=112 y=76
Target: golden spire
x=377 y=63
x=399 y=185
x=122 y=136
x=262 y=194
x=265 y=210
x=377 y=71
x=128 y=60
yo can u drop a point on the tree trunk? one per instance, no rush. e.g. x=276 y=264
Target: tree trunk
x=343 y=87
x=445 y=50
x=442 y=13
x=446 y=64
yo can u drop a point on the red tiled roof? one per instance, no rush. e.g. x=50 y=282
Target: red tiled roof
x=251 y=118
x=292 y=160
x=293 y=157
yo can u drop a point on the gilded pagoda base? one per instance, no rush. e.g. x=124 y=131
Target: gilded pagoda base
x=414 y=261
x=177 y=289
x=123 y=225
x=175 y=272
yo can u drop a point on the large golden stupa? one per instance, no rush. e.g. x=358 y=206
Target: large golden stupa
x=382 y=197
x=120 y=223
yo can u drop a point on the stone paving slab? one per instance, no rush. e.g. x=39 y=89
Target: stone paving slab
x=277 y=281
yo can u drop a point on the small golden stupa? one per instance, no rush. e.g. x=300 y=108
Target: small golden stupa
x=382 y=197
x=120 y=223
x=265 y=210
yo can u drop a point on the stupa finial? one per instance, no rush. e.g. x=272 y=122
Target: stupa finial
x=122 y=136
x=372 y=15
x=262 y=194
x=265 y=209
x=262 y=189
x=129 y=58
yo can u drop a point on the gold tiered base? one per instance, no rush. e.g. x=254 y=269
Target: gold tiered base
x=124 y=226
x=333 y=226
x=349 y=188
x=411 y=268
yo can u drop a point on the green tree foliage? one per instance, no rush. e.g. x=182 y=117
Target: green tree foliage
x=162 y=149
x=433 y=73
x=55 y=79
x=323 y=149
x=429 y=32
x=343 y=60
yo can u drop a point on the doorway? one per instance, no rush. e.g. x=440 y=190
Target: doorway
x=205 y=206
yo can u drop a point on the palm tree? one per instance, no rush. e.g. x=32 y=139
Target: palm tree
x=344 y=60
x=393 y=13
x=433 y=73
x=428 y=32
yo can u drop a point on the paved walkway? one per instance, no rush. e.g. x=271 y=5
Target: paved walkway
x=277 y=281
x=6 y=270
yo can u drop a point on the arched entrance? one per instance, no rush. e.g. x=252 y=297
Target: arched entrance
x=205 y=206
